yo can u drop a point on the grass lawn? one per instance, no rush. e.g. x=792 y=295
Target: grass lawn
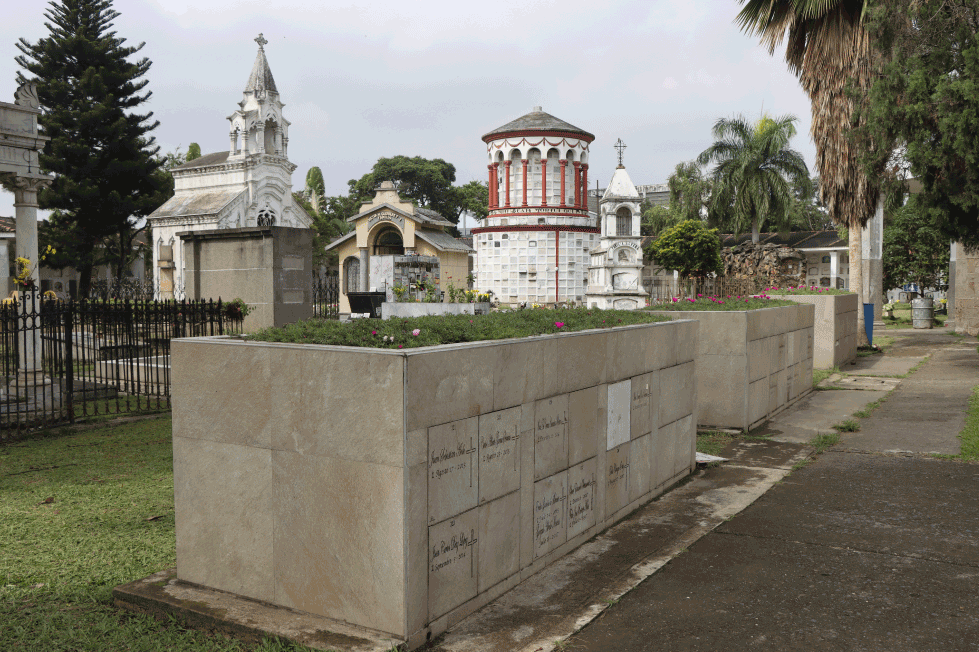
x=80 y=514
x=712 y=442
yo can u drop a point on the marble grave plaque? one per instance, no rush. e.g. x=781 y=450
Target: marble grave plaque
x=550 y=511
x=499 y=453
x=550 y=436
x=452 y=563
x=619 y=400
x=581 y=496
x=453 y=471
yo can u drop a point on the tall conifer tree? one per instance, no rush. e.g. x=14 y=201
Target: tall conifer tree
x=107 y=174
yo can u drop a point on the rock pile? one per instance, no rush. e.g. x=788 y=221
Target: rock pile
x=777 y=263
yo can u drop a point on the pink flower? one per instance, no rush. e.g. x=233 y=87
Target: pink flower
x=416 y=332
x=373 y=332
x=559 y=324
x=401 y=346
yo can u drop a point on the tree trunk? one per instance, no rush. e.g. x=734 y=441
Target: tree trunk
x=856 y=276
x=754 y=233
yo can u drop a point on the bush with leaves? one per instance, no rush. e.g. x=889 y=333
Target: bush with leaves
x=916 y=250
x=690 y=248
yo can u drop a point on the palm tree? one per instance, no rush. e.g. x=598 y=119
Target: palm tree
x=755 y=171
x=828 y=48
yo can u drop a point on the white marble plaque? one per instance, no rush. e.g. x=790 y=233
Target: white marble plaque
x=550 y=512
x=453 y=471
x=550 y=436
x=582 y=481
x=619 y=401
x=499 y=453
x=639 y=408
x=452 y=577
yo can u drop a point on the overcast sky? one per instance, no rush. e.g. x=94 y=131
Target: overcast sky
x=381 y=78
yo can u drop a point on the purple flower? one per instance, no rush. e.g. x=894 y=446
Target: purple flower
x=559 y=324
x=416 y=332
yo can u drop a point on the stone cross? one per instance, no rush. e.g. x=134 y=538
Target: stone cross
x=261 y=42
x=619 y=145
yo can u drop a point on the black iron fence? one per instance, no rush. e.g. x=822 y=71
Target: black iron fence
x=64 y=360
x=326 y=296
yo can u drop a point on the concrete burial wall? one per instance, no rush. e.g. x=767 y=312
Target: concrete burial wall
x=402 y=490
x=751 y=364
x=835 y=327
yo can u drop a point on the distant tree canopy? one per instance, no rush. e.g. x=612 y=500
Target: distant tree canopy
x=426 y=182
x=193 y=152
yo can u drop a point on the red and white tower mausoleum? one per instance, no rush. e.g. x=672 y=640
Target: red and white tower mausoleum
x=533 y=246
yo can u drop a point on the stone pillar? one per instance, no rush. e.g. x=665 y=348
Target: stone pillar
x=564 y=196
x=25 y=218
x=966 y=290
x=834 y=267
x=873 y=265
x=524 y=162
x=364 y=272
x=507 y=172
x=5 y=260
x=233 y=144
x=950 y=294
x=492 y=178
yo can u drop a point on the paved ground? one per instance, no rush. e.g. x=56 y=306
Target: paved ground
x=859 y=550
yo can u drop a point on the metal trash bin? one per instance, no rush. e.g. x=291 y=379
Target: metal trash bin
x=923 y=313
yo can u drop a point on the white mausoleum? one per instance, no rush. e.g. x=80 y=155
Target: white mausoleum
x=250 y=185
x=615 y=274
x=533 y=246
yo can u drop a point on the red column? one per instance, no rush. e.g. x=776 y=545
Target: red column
x=577 y=184
x=496 y=185
x=564 y=197
x=584 y=186
x=507 y=171
x=543 y=182
x=524 y=161
x=492 y=178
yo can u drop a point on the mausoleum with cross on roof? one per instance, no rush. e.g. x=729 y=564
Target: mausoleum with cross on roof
x=250 y=185
x=533 y=245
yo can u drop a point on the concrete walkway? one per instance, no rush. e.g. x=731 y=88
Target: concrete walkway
x=863 y=549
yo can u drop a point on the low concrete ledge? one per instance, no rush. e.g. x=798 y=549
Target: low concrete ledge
x=162 y=595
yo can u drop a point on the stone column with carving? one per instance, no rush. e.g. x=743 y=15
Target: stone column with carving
x=364 y=262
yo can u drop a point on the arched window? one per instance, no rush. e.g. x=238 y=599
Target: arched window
x=623 y=222
x=553 y=178
x=516 y=178
x=389 y=242
x=533 y=177
x=569 y=179
x=351 y=274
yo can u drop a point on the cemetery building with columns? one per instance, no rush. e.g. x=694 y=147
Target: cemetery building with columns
x=534 y=244
x=250 y=185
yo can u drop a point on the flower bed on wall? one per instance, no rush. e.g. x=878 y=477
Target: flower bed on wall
x=400 y=490
x=452 y=329
x=751 y=362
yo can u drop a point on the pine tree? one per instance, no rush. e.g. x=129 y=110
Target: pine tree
x=107 y=172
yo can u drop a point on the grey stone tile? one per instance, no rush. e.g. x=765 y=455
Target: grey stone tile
x=499 y=540
x=417 y=529
x=224 y=516
x=550 y=436
x=317 y=404
x=453 y=469
x=581 y=361
x=582 y=486
x=499 y=453
x=452 y=563
x=550 y=513
x=337 y=522
x=640 y=409
x=677 y=387
x=616 y=478
x=221 y=392
x=520 y=372
x=588 y=421
x=448 y=385
x=640 y=473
